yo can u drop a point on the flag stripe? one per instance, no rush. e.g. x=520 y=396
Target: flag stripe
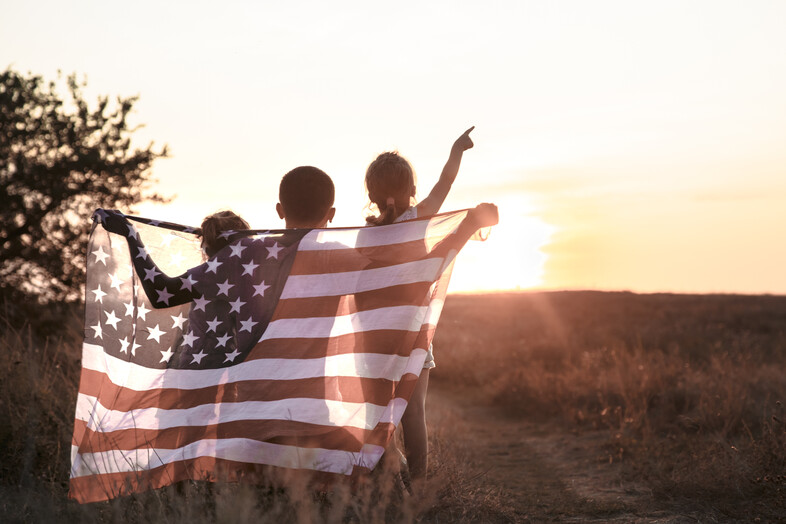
x=406 y=318
x=345 y=259
x=285 y=432
x=392 y=296
x=235 y=449
x=140 y=378
x=350 y=282
x=384 y=341
x=310 y=411
x=348 y=389
x=110 y=485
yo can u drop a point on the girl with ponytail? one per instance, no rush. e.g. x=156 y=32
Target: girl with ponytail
x=390 y=182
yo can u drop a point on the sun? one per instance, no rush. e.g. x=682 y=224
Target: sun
x=511 y=258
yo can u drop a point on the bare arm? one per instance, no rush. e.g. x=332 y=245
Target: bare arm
x=433 y=202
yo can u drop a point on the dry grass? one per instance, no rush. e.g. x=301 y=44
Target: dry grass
x=689 y=389
x=37 y=399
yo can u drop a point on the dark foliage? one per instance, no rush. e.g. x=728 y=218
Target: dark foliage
x=60 y=158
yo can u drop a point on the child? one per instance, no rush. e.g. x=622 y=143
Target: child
x=215 y=224
x=306 y=197
x=390 y=182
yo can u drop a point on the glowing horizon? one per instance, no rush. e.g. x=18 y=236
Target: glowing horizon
x=629 y=146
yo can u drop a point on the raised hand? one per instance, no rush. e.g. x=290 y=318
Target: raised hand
x=464 y=142
x=484 y=215
x=113 y=220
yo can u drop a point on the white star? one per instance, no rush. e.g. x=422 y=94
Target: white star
x=259 y=289
x=142 y=311
x=129 y=309
x=178 y=320
x=198 y=357
x=247 y=324
x=151 y=274
x=236 y=305
x=189 y=338
x=228 y=233
x=164 y=296
x=142 y=252
x=176 y=259
x=200 y=302
x=232 y=356
x=155 y=333
x=155 y=223
x=98 y=333
x=99 y=294
x=166 y=239
x=222 y=341
x=132 y=233
x=189 y=230
x=272 y=251
x=133 y=348
x=248 y=269
x=213 y=324
x=187 y=282
x=100 y=255
x=116 y=282
x=237 y=249
x=124 y=345
x=166 y=355
x=212 y=265
x=111 y=318
x=224 y=288
x=101 y=215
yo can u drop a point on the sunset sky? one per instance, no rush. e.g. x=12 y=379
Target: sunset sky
x=629 y=145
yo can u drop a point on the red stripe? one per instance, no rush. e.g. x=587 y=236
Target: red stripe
x=416 y=294
x=348 y=389
x=351 y=259
x=386 y=342
x=96 y=488
x=284 y=432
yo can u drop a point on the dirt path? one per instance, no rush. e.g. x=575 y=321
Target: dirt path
x=543 y=472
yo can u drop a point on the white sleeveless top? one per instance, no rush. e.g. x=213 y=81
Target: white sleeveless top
x=409 y=214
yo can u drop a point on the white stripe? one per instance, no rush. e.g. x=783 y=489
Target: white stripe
x=140 y=378
x=406 y=318
x=428 y=231
x=235 y=449
x=318 y=240
x=349 y=282
x=434 y=312
x=307 y=410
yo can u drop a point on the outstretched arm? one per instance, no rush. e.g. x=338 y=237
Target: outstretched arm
x=161 y=290
x=433 y=202
x=482 y=215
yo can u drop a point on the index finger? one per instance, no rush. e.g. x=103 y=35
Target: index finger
x=468 y=131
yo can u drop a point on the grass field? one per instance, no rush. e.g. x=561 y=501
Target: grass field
x=685 y=391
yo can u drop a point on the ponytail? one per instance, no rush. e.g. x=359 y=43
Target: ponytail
x=387 y=216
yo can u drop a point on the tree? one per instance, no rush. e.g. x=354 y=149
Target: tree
x=60 y=159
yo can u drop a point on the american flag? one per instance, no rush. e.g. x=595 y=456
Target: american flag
x=289 y=349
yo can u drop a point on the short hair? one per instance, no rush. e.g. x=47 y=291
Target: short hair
x=306 y=193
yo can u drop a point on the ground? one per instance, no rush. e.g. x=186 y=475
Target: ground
x=542 y=470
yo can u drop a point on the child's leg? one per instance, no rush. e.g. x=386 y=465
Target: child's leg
x=414 y=428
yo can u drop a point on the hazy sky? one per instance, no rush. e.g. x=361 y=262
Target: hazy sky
x=629 y=145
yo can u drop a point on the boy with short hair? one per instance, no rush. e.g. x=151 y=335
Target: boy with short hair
x=305 y=198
